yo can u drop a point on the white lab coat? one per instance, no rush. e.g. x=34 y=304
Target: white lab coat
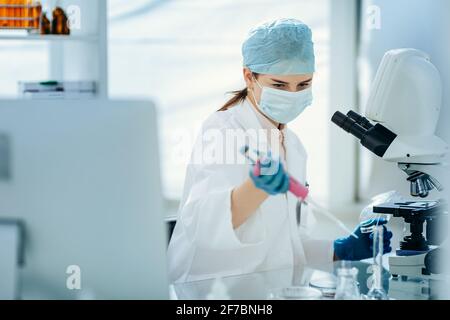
x=204 y=244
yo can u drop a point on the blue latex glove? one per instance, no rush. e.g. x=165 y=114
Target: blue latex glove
x=273 y=178
x=352 y=249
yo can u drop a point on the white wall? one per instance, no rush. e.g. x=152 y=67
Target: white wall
x=420 y=24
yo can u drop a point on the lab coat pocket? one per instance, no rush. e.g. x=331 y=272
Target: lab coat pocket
x=253 y=231
x=308 y=220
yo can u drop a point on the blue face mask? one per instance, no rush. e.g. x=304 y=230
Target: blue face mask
x=283 y=106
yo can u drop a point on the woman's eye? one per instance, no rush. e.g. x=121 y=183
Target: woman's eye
x=303 y=85
x=278 y=85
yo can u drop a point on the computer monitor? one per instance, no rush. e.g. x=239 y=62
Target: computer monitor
x=83 y=178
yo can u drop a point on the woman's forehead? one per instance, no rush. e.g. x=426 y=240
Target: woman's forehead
x=288 y=78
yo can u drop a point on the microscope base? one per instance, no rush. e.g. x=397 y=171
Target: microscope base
x=412 y=266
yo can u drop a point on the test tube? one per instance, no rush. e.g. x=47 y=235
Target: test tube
x=25 y=14
x=37 y=20
x=30 y=13
x=2 y=13
x=15 y=15
x=10 y=14
x=33 y=13
x=18 y=13
x=23 y=8
x=377 y=291
x=6 y=13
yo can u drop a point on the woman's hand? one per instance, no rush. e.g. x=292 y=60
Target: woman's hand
x=266 y=178
x=270 y=176
x=352 y=249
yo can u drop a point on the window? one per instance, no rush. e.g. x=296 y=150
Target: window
x=185 y=55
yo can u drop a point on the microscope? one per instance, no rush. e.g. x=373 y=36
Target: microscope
x=403 y=108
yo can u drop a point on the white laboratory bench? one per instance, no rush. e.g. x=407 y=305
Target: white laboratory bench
x=260 y=285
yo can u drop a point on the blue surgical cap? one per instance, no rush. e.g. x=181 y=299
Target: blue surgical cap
x=281 y=47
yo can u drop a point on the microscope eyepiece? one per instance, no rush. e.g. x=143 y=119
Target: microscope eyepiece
x=348 y=124
x=362 y=121
x=339 y=119
x=377 y=138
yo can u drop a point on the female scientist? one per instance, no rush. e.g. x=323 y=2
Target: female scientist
x=231 y=221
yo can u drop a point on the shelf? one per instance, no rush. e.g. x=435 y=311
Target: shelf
x=79 y=56
x=49 y=37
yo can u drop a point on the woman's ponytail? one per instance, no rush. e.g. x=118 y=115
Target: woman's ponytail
x=238 y=97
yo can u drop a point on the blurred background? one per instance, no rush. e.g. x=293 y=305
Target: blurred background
x=185 y=55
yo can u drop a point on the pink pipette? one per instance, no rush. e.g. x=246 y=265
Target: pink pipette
x=295 y=187
x=301 y=192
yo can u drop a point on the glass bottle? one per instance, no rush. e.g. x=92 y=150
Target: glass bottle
x=347 y=285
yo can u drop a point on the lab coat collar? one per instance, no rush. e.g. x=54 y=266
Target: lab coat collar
x=246 y=116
